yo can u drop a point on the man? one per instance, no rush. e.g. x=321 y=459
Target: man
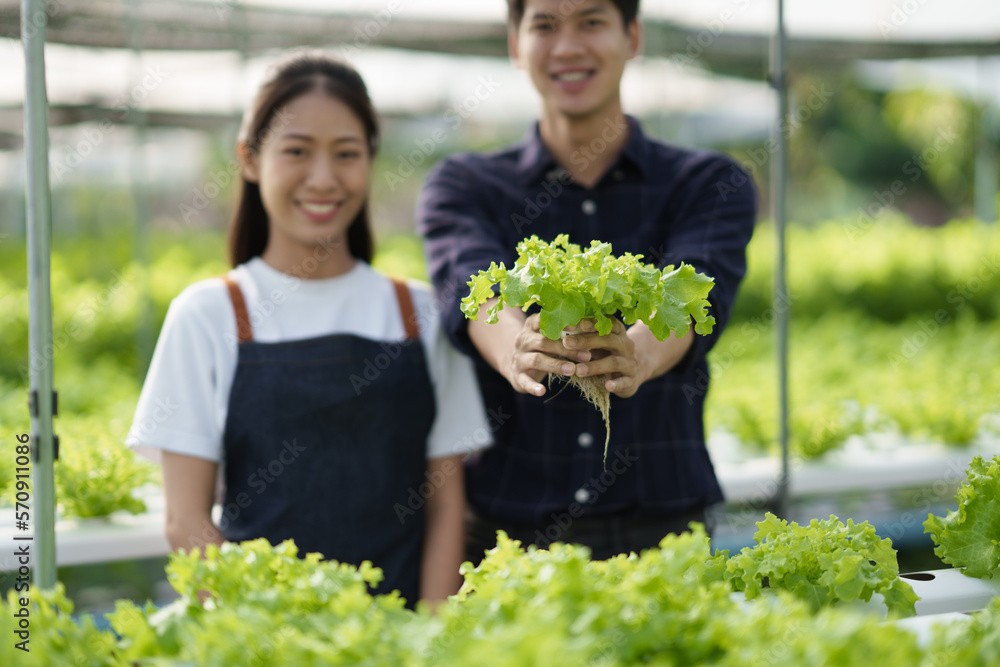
x=588 y=170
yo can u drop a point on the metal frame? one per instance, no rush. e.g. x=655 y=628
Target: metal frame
x=39 y=231
x=253 y=35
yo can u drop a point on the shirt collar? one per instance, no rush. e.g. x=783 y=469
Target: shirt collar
x=536 y=162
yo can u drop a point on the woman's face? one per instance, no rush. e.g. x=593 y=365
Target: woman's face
x=313 y=170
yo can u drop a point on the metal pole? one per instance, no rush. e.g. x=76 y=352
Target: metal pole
x=140 y=202
x=39 y=232
x=779 y=171
x=986 y=170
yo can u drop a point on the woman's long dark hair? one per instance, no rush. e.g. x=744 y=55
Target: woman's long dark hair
x=301 y=74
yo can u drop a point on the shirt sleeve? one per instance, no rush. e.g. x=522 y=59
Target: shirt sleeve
x=710 y=231
x=460 y=421
x=460 y=239
x=176 y=410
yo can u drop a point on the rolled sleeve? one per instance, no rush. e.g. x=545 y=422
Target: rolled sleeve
x=711 y=232
x=461 y=238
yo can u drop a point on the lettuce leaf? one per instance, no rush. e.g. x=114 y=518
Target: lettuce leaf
x=968 y=537
x=823 y=563
x=571 y=284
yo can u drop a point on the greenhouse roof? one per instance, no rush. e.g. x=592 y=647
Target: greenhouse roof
x=693 y=53
x=729 y=36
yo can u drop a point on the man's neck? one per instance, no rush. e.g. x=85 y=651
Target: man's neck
x=586 y=148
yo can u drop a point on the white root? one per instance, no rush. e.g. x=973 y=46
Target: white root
x=593 y=389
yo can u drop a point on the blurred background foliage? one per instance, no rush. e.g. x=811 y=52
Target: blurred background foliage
x=850 y=142
x=894 y=308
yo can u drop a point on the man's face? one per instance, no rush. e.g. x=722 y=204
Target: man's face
x=575 y=52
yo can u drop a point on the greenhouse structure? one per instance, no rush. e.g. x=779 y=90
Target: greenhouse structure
x=853 y=419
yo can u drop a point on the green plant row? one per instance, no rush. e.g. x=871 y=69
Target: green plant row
x=927 y=377
x=96 y=475
x=101 y=294
x=669 y=606
x=889 y=270
x=850 y=375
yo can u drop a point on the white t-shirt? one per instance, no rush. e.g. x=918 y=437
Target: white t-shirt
x=185 y=398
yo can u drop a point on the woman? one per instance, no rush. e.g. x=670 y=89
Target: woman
x=324 y=392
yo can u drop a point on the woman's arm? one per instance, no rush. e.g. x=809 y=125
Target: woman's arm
x=189 y=489
x=444 y=530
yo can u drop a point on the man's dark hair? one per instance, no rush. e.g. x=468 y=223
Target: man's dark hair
x=629 y=9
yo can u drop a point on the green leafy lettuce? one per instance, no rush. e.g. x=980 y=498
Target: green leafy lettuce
x=823 y=563
x=973 y=643
x=570 y=284
x=257 y=604
x=969 y=537
x=97 y=475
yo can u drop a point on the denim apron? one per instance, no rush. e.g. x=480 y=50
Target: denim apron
x=325 y=443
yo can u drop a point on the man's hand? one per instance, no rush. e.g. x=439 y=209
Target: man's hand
x=613 y=354
x=628 y=357
x=516 y=349
x=534 y=356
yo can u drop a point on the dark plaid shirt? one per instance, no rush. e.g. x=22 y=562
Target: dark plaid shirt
x=668 y=203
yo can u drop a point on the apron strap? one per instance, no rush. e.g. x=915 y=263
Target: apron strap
x=243 y=328
x=406 y=310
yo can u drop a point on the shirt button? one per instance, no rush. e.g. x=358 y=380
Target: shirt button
x=589 y=207
x=585 y=440
x=582 y=495
x=618 y=174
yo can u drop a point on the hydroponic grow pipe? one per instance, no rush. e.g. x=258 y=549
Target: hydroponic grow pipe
x=40 y=351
